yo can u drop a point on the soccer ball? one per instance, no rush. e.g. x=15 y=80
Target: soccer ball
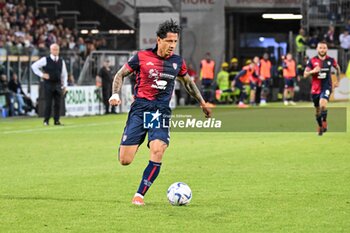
x=179 y=194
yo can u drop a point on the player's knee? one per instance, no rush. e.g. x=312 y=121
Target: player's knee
x=157 y=155
x=125 y=157
x=124 y=161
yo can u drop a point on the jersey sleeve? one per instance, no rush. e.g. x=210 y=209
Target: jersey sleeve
x=183 y=69
x=309 y=65
x=133 y=63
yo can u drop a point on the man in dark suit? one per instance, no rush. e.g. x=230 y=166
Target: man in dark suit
x=52 y=69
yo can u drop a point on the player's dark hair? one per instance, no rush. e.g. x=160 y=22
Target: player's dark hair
x=168 y=26
x=323 y=42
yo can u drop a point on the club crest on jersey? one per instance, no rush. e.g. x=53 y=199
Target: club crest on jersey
x=329 y=63
x=174 y=66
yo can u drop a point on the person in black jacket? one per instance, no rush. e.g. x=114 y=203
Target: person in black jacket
x=17 y=92
x=106 y=76
x=52 y=69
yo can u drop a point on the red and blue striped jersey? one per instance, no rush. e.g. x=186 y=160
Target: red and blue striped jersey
x=155 y=76
x=322 y=80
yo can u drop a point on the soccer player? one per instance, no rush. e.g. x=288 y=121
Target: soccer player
x=289 y=75
x=319 y=67
x=255 y=81
x=265 y=72
x=156 y=70
x=242 y=82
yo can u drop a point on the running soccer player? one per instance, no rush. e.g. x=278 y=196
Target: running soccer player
x=319 y=67
x=156 y=70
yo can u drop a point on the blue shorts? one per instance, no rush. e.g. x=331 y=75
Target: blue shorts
x=150 y=117
x=253 y=86
x=288 y=82
x=325 y=94
x=266 y=83
x=207 y=83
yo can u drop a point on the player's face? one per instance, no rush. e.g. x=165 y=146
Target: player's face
x=167 y=45
x=322 y=49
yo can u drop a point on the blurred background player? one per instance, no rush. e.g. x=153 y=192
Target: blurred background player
x=265 y=73
x=289 y=75
x=242 y=82
x=207 y=73
x=255 y=82
x=156 y=70
x=319 y=68
x=223 y=82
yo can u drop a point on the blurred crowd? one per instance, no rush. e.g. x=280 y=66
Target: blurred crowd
x=23 y=29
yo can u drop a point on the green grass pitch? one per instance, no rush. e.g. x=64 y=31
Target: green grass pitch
x=67 y=179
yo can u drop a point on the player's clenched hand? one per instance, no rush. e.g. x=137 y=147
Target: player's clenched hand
x=114 y=100
x=316 y=69
x=206 y=109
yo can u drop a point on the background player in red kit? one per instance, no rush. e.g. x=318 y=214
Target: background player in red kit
x=319 y=67
x=156 y=70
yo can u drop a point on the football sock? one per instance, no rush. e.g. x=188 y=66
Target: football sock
x=319 y=120
x=324 y=115
x=149 y=175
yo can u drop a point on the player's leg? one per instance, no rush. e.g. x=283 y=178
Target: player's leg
x=291 y=96
x=205 y=89
x=264 y=91
x=252 y=93
x=133 y=136
x=291 y=90
x=157 y=149
x=243 y=96
x=285 y=92
x=158 y=141
x=324 y=113
x=316 y=100
x=126 y=154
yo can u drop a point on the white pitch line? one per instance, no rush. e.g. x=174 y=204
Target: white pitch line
x=46 y=128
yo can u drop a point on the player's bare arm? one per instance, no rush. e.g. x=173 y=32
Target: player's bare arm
x=117 y=85
x=338 y=71
x=192 y=89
